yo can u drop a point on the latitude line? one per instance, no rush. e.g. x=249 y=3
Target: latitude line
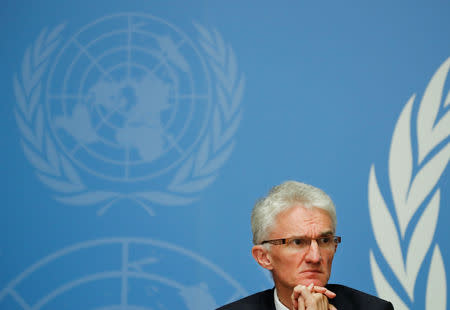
x=124 y=292
x=129 y=49
x=67 y=96
x=91 y=58
x=164 y=58
x=19 y=299
x=190 y=96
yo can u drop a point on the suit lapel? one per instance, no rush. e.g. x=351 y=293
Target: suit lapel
x=267 y=302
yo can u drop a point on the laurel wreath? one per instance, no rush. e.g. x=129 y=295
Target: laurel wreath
x=197 y=172
x=416 y=199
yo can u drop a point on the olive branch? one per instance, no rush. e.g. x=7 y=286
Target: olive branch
x=415 y=194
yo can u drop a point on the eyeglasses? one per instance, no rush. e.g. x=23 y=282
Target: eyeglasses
x=303 y=243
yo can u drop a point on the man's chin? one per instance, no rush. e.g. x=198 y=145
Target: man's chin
x=315 y=280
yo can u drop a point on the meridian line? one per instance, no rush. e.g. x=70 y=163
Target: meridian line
x=91 y=58
x=164 y=58
x=127 y=158
x=124 y=292
x=129 y=49
x=19 y=299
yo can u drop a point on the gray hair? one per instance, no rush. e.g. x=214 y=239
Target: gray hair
x=283 y=197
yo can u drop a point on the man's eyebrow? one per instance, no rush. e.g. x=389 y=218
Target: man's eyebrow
x=327 y=233
x=324 y=234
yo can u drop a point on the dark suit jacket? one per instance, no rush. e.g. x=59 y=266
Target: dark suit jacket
x=346 y=299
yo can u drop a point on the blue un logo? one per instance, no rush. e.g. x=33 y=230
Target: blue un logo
x=121 y=274
x=127 y=100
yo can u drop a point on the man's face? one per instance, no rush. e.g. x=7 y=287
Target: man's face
x=291 y=267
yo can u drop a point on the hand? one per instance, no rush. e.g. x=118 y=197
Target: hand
x=312 y=298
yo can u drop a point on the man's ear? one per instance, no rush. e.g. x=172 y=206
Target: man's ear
x=262 y=256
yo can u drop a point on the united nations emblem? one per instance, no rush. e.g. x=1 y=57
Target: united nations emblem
x=121 y=273
x=129 y=108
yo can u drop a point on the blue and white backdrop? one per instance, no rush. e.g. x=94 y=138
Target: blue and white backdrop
x=136 y=136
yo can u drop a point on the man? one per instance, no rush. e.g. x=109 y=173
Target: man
x=294 y=237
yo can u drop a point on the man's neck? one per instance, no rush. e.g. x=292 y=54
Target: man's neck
x=284 y=295
x=278 y=304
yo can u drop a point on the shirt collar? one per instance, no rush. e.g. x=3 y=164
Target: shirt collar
x=278 y=304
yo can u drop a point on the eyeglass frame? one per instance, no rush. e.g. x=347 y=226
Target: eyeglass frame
x=285 y=241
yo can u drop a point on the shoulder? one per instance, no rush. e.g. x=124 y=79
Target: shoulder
x=255 y=301
x=359 y=300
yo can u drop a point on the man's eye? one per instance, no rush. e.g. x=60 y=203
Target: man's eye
x=298 y=242
x=325 y=240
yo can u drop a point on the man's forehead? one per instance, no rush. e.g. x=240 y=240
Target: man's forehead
x=300 y=220
x=305 y=211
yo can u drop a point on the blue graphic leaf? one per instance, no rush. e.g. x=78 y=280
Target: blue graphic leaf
x=427 y=178
x=36 y=160
x=203 y=154
x=183 y=173
x=222 y=100
x=39 y=130
x=20 y=98
x=26 y=71
x=195 y=186
x=210 y=51
x=56 y=32
x=37 y=76
x=46 y=53
x=220 y=47
x=216 y=129
x=383 y=287
x=58 y=185
x=26 y=132
x=401 y=164
x=231 y=130
x=52 y=155
x=384 y=228
x=87 y=198
x=436 y=295
x=38 y=47
x=237 y=97
x=232 y=66
x=34 y=101
x=70 y=172
x=203 y=32
x=422 y=237
x=217 y=162
x=165 y=199
x=221 y=77
x=430 y=133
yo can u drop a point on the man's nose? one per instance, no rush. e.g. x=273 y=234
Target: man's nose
x=313 y=254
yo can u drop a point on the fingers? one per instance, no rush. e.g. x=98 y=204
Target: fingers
x=325 y=291
x=312 y=296
x=301 y=304
x=299 y=294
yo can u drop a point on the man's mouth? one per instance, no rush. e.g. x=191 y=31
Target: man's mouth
x=311 y=271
